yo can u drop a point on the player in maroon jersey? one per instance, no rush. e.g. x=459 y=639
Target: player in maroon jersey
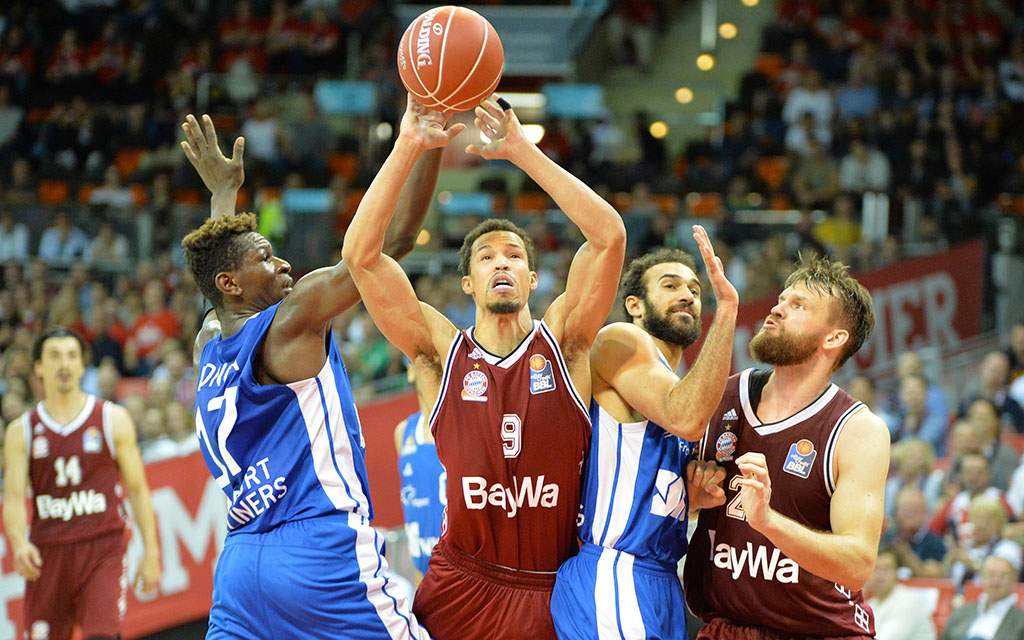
x=509 y=395
x=789 y=551
x=72 y=448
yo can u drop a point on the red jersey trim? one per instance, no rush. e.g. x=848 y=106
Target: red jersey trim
x=830 y=447
x=557 y=349
x=74 y=424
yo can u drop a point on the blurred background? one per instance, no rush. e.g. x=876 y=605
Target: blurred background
x=884 y=133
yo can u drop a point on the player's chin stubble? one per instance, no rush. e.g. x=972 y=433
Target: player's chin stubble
x=781 y=349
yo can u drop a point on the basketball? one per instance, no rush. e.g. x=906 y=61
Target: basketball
x=450 y=59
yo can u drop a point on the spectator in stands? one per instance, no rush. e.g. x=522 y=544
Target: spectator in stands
x=864 y=169
x=1002 y=457
x=993 y=385
x=62 y=242
x=154 y=325
x=107 y=379
x=857 y=98
x=112 y=193
x=631 y=30
x=13 y=238
x=810 y=97
x=913 y=464
x=981 y=538
x=109 y=248
x=1011 y=71
x=804 y=132
x=20 y=191
x=320 y=41
x=909 y=362
x=307 y=142
x=262 y=135
x=862 y=387
x=915 y=418
x=11 y=116
x=1015 y=356
x=900 y=613
x=12 y=405
x=840 y=231
x=816 y=178
x=996 y=615
x=976 y=480
x=917 y=548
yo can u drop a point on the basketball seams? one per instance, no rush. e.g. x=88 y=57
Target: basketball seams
x=479 y=57
x=440 y=57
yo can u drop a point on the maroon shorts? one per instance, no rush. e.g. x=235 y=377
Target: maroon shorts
x=461 y=597
x=82 y=582
x=722 y=629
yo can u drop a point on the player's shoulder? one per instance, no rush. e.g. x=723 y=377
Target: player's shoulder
x=864 y=429
x=619 y=334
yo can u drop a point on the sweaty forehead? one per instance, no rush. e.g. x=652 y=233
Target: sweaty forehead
x=497 y=239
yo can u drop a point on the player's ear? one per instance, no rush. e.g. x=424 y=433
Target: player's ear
x=635 y=306
x=227 y=283
x=533 y=280
x=467 y=285
x=836 y=339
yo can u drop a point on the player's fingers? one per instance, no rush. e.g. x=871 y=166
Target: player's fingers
x=197 y=131
x=191 y=155
x=210 y=131
x=453 y=131
x=238 y=149
x=475 y=150
x=190 y=136
x=487 y=118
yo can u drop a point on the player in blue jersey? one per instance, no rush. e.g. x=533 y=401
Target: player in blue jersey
x=277 y=424
x=424 y=483
x=639 y=480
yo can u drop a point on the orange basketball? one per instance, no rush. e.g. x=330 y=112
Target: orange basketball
x=450 y=58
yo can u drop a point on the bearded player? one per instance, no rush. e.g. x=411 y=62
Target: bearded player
x=789 y=552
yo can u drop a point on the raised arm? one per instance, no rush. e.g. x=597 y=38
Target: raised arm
x=847 y=554
x=27 y=561
x=132 y=471
x=594 y=274
x=385 y=288
x=223 y=177
x=626 y=359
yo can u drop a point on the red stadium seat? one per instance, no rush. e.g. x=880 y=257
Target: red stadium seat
x=703 y=205
x=667 y=203
x=54 y=192
x=531 y=201
x=127 y=161
x=188 y=196
x=85 y=190
x=345 y=165
x=140 y=195
x=937 y=594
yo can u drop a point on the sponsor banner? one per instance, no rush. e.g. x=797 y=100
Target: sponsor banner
x=191 y=517
x=931 y=301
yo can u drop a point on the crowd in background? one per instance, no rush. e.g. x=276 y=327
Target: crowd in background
x=917 y=100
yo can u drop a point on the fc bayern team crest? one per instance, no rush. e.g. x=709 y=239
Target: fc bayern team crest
x=725 y=446
x=542 y=378
x=474 y=386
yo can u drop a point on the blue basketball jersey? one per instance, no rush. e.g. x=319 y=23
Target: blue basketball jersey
x=280 y=452
x=423 y=491
x=634 y=488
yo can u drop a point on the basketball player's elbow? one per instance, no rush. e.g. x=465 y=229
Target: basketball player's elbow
x=400 y=243
x=859 y=568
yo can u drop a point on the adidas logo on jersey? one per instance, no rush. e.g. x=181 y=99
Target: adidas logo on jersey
x=531 y=493
x=730 y=415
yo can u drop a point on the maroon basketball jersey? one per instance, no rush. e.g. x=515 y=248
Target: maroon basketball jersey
x=511 y=433
x=73 y=475
x=734 y=572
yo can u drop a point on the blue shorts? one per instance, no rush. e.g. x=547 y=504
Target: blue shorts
x=604 y=593
x=315 y=578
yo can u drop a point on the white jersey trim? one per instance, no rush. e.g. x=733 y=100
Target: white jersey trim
x=393 y=612
x=504 y=362
x=775 y=427
x=830 y=446
x=76 y=422
x=546 y=334
x=108 y=430
x=619 y=447
x=330 y=446
x=26 y=425
x=446 y=375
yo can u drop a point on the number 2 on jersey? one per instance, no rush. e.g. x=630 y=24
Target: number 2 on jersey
x=735 y=507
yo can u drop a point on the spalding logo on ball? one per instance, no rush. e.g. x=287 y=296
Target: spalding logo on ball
x=450 y=59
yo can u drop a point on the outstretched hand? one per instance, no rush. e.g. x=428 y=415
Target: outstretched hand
x=427 y=128
x=202 y=149
x=502 y=128
x=723 y=289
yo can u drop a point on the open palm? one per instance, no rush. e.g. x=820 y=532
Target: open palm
x=502 y=128
x=426 y=127
x=203 y=151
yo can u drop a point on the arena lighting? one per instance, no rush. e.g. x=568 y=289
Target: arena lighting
x=684 y=95
x=384 y=131
x=659 y=129
x=423 y=237
x=705 y=62
x=727 y=30
x=444 y=197
x=533 y=132
x=530 y=100
x=751 y=3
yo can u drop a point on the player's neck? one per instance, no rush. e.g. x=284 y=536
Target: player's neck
x=500 y=334
x=63 y=407
x=790 y=389
x=673 y=353
x=231 y=320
